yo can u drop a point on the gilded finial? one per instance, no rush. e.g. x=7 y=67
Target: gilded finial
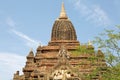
x=39 y=44
x=63 y=14
x=31 y=49
x=99 y=48
x=89 y=42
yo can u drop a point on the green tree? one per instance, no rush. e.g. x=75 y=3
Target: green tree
x=109 y=43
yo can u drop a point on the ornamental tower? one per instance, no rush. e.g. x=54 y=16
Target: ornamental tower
x=63 y=31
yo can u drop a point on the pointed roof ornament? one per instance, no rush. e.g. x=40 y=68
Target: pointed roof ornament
x=31 y=49
x=31 y=54
x=63 y=14
x=89 y=42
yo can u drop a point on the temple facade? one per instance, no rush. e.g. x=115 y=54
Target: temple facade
x=64 y=58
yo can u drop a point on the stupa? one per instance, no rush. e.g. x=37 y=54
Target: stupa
x=64 y=58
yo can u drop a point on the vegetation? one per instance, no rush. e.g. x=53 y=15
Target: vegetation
x=83 y=49
x=109 y=43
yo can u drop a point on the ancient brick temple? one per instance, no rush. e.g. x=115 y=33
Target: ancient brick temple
x=64 y=58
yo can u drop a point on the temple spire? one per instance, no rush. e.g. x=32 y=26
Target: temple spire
x=63 y=14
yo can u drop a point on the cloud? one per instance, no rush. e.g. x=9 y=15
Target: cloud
x=29 y=41
x=9 y=63
x=92 y=13
x=10 y=22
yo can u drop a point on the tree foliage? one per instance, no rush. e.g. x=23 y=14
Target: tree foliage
x=109 y=43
